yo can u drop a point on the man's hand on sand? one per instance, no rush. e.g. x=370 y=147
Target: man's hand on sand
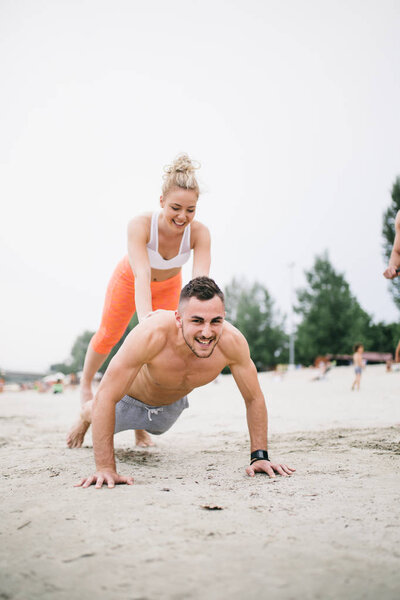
x=265 y=466
x=110 y=478
x=390 y=273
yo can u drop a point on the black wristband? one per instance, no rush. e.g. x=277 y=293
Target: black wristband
x=258 y=455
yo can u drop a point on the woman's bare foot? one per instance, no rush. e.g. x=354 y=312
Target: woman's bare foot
x=143 y=439
x=76 y=434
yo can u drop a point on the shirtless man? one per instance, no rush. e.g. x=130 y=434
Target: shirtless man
x=161 y=361
x=394 y=261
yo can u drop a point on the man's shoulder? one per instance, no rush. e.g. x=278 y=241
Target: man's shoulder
x=158 y=324
x=232 y=342
x=152 y=334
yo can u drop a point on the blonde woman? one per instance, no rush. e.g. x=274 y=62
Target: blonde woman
x=149 y=277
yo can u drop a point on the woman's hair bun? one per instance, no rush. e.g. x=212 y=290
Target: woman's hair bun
x=181 y=173
x=182 y=164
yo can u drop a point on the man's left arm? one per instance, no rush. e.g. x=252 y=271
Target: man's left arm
x=245 y=375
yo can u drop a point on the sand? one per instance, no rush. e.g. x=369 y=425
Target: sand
x=330 y=531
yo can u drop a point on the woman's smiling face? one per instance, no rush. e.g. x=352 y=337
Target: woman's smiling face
x=179 y=207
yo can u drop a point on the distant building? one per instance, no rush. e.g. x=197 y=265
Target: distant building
x=21 y=376
x=370 y=357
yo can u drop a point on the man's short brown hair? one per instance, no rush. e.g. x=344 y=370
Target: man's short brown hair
x=202 y=288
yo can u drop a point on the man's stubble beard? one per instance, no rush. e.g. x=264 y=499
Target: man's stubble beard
x=193 y=350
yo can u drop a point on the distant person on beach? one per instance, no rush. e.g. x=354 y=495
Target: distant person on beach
x=163 y=359
x=324 y=366
x=149 y=277
x=58 y=387
x=394 y=261
x=358 y=365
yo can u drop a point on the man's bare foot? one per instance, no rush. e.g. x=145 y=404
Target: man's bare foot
x=76 y=434
x=143 y=439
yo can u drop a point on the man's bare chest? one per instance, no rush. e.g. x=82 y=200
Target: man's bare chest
x=169 y=372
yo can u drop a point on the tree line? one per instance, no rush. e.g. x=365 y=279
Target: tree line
x=331 y=320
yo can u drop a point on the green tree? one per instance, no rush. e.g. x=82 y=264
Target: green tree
x=79 y=348
x=332 y=319
x=384 y=337
x=251 y=310
x=75 y=362
x=388 y=232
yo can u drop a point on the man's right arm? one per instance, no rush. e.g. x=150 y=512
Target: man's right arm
x=136 y=350
x=116 y=382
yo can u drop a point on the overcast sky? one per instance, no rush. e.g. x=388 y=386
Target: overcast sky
x=291 y=107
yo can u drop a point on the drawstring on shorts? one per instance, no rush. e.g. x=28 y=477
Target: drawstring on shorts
x=153 y=411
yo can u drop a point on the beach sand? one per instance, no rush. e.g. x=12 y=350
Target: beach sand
x=332 y=530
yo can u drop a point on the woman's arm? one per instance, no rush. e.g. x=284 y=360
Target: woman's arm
x=140 y=264
x=201 y=251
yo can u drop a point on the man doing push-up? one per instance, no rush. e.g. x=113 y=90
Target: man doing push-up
x=163 y=359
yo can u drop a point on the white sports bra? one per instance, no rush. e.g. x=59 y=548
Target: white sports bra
x=156 y=260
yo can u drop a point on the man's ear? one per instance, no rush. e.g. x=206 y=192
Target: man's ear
x=178 y=319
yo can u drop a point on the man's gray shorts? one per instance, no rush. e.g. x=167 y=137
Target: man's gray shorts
x=134 y=414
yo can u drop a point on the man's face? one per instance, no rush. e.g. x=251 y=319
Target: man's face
x=201 y=322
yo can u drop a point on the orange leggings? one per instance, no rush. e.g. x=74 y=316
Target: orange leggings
x=119 y=305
